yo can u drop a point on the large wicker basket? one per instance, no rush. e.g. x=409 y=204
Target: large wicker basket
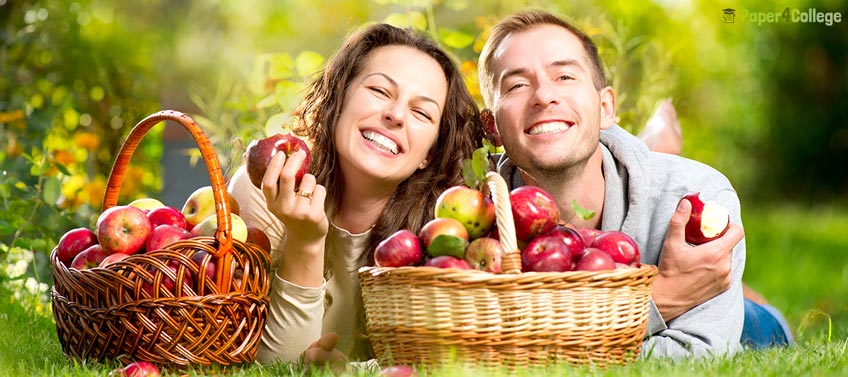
x=124 y=311
x=428 y=315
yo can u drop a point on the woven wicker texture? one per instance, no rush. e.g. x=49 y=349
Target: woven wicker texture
x=132 y=310
x=515 y=320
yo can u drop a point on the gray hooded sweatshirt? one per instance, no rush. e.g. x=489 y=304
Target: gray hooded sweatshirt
x=643 y=189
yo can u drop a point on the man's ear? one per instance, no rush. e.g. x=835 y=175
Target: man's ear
x=607 y=96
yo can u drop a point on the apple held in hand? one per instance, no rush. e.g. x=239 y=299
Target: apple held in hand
x=167 y=216
x=534 y=210
x=546 y=253
x=484 y=254
x=74 y=242
x=444 y=236
x=201 y=204
x=470 y=207
x=594 y=259
x=260 y=152
x=620 y=246
x=401 y=248
x=164 y=235
x=123 y=229
x=708 y=221
x=89 y=258
x=447 y=261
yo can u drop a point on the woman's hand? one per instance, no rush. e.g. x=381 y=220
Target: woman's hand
x=323 y=352
x=690 y=275
x=302 y=212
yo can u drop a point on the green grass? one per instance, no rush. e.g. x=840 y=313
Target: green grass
x=797 y=257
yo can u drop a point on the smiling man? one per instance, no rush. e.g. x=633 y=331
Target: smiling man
x=544 y=82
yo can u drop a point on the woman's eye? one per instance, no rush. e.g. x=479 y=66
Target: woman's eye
x=424 y=114
x=380 y=91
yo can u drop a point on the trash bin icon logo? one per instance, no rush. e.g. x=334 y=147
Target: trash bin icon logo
x=728 y=15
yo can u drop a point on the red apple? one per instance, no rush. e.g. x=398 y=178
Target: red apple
x=398 y=371
x=136 y=369
x=260 y=152
x=74 y=242
x=534 y=210
x=164 y=235
x=571 y=238
x=473 y=209
x=594 y=259
x=402 y=248
x=620 y=246
x=546 y=253
x=112 y=258
x=589 y=234
x=211 y=266
x=167 y=216
x=709 y=220
x=484 y=254
x=447 y=261
x=123 y=229
x=169 y=283
x=89 y=258
x=259 y=238
x=444 y=236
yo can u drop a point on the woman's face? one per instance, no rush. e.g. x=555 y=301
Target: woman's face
x=390 y=117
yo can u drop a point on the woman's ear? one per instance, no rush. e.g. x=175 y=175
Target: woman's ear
x=490 y=128
x=424 y=163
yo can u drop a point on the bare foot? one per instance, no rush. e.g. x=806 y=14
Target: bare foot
x=662 y=132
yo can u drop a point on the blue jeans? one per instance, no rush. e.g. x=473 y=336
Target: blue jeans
x=764 y=327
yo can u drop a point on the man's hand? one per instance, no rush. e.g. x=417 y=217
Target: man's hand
x=323 y=352
x=690 y=275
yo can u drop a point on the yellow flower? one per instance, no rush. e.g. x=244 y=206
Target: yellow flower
x=87 y=140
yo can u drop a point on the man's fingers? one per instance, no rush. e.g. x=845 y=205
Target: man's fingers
x=677 y=225
x=734 y=234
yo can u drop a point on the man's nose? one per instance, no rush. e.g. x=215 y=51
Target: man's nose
x=545 y=94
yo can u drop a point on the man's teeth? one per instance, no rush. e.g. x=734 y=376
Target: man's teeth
x=548 y=128
x=380 y=141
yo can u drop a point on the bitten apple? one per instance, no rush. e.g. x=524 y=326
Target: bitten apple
x=123 y=229
x=709 y=220
x=470 y=207
x=484 y=254
x=89 y=258
x=620 y=246
x=594 y=259
x=201 y=204
x=534 y=210
x=260 y=152
x=74 y=242
x=546 y=253
x=401 y=248
x=444 y=236
x=447 y=261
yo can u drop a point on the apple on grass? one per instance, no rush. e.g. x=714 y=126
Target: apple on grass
x=546 y=253
x=209 y=226
x=444 y=236
x=201 y=204
x=401 y=248
x=535 y=212
x=260 y=152
x=164 y=235
x=594 y=259
x=89 y=258
x=74 y=242
x=167 y=216
x=136 y=369
x=470 y=207
x=708 y=221
x=620 y=246
x=484 y=254
x=447 y=261
x=123 y=229
x=398 y=371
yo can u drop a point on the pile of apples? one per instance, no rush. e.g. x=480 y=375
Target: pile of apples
x=463 y=235
x=146 y=225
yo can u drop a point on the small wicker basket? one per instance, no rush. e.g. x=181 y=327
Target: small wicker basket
x=428 y=315
x=125 y=311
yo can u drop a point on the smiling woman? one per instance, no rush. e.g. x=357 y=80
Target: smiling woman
x=389 y=121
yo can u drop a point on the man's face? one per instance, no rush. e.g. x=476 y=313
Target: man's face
x=548 y=111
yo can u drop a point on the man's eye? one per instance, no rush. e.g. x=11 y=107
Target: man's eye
x=516 y=86
x=565 y=78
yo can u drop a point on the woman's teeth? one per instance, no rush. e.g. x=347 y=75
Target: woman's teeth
x=380 y=141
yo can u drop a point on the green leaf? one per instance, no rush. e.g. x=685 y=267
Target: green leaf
x=468 y=174
x=281 y=66
x=52 y=190
x=63 y=169
x=584 y=213
x=480 y=163
x=446 y=244
x=454 y=38
x=307 y=63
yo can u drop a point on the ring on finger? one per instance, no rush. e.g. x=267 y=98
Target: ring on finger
x=306 y=194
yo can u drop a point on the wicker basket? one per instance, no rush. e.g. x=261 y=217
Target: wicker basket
x=124 y=311
x=428 y=315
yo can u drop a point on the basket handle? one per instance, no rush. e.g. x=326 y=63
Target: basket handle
x=222 y=206
x=511 y=262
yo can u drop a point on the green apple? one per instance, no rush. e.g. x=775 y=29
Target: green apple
x=146 y=204
x=201 y=204
x=209 y=226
